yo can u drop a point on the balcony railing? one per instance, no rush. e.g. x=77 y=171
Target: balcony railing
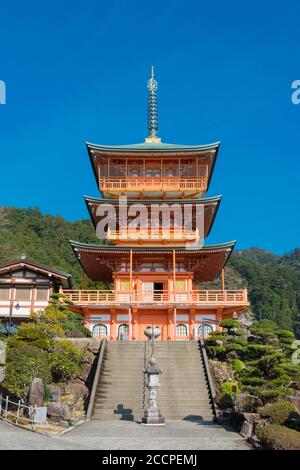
x=153 y=184
x=201 y=297
x=159 y=233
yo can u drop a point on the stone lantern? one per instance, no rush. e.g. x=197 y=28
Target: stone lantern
x=152 y=415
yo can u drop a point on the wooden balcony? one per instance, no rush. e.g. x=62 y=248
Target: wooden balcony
x=157 y=298
x=153 y=184
x=153 y=235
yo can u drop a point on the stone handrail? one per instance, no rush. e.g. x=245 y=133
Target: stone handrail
x=96 y=379
x=210 y=381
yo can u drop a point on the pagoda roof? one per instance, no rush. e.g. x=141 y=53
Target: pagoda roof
x=64 y=277
x=214 y=202
x=99 y=261
x=152 y=147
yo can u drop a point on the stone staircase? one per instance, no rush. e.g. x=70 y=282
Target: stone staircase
x=121 y=393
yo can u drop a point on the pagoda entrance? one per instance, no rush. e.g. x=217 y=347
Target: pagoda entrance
x=155 y=319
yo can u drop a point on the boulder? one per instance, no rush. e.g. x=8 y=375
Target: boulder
x=85 y=372
x=58 y=411
x=246 y=429
x=88 y=357
x=36 y=393
x=2 y=374
x=78 y=389
x=295 y=400
x=54 y=392
x=222 y=372
x=247 y=403
x=94 y=345
x=2 y=353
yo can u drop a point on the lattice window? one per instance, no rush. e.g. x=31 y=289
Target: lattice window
x=99 y=330
x=181 y=330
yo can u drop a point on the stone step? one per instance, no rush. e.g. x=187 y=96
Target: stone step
x=206 y=416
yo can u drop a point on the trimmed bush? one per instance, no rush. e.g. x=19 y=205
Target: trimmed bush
x=278 y=437
x=279 y=412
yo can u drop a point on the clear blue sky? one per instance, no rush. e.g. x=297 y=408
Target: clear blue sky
x=77 y=71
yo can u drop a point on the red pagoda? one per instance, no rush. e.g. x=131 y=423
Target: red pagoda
x=158 y=271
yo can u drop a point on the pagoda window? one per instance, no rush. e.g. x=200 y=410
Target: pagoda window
x=134 y=171
x=123 y=267
x=180 y=285
x=181 y=267
x=124 y=284
x=123 y=330
x=205 y=329
x=99 y=330
x=4 y=293
x=152 y=267
x=181 y=330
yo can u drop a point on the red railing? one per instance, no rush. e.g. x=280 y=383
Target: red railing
x=204 y=297
x=159 y=183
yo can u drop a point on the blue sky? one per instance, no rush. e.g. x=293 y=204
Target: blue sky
x=77 y=71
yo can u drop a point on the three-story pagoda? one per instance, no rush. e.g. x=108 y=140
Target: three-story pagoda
x=158 y=265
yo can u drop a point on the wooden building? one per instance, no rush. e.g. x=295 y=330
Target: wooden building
x=26 y=286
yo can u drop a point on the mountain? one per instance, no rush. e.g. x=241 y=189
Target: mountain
x=273 y=281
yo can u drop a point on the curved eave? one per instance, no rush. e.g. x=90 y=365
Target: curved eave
x=152 y=147
x=213 y=258
x=77 y=246
x=205 y=201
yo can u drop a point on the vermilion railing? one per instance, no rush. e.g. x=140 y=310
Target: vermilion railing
x=105 y=297
x=159 y=233
x=153 y=183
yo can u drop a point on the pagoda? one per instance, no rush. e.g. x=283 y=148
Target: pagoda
x=158 y=267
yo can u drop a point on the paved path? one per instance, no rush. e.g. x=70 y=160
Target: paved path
x=112 y=435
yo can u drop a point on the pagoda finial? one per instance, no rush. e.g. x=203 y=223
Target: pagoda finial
x=152 y=108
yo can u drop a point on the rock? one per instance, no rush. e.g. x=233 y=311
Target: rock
x=79 y=390
x=58 y=411
x=36 y=393
x=85 y=372
x=295 y=400
x=2 y=353
x=94 y=345
x=251 y=417
x=88 y=357
x=2 y=374
x=247 y=403
x=222 y=372
x=246 y=429
x=54 y=392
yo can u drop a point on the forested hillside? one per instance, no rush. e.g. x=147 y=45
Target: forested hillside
x=273 y=281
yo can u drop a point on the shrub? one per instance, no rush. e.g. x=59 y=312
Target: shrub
x=278 y=437
x=230 y=323
x=24 y=363
x=62 y=368
x=237 y=365
x=279 y=412
x=230 y=388
x=64 y=360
